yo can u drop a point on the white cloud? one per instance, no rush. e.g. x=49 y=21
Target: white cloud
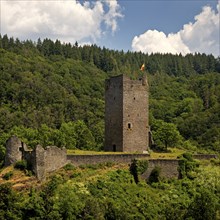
x=155 y=41
x=201 y=36
x=67 y=20
x=114 y=12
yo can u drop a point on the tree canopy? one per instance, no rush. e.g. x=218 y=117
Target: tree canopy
x=49 y=88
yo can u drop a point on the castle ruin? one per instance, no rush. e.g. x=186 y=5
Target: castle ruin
x=126 y=130
x=39 y=160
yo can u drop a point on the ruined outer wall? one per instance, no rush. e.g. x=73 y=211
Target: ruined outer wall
x=135 y=116
x=55 y=158
x=204 y=156
x=48 y=160
x=13 y=151
x=78 y=160
x=113 y=114
x=169 y=168
x=38 y=162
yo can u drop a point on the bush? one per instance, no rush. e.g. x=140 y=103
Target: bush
x=215 y=162
x=204 y=206
x=188 y=156
x=28 y=173
x=187 y=166
x=8 y=175
x=69 y=166
x=137 y=168
x=155 y=175
x=21 y=165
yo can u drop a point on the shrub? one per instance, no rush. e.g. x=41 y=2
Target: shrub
x=28 y=172
x=204 y=206
x=8 y=175
x=21 y=165
x=137 y=168
x=215 y=162
x=187 y=156
x=187 y=166
x=109 y=164
x=155 y=175
x=69 y=166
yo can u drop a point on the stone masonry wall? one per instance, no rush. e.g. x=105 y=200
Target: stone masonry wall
x=78 y=160
x=14 y=148
x=126 y=114
x=135 y=116
x=169 y=168
x=113 y=114
x=47 y=160
x=55 y=158
x=38 y=162
x=52 y=158
x=204 y=156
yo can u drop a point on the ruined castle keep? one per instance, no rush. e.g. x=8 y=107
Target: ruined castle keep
x=126 y=114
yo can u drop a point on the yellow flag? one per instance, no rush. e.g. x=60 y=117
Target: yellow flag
x=142 y=67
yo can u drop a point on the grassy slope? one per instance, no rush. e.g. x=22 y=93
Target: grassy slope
x=172 y=154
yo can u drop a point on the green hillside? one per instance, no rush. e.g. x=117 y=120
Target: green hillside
x=53 y=94
x=108 y=191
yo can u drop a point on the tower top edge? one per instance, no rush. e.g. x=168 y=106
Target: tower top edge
x=125 y=78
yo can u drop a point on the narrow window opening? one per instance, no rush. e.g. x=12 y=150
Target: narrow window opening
x=129 y=125
x=22 y=147
x=134 y=98
x=114 y=148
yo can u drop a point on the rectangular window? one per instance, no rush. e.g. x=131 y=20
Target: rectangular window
x=114 y=148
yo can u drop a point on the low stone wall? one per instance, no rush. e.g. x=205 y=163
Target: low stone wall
x=78 y=160
x=169 y=168
x=52 y=158
x=204 y=156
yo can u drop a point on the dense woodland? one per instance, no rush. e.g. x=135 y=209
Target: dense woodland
x=52 y=93
x=107 y=191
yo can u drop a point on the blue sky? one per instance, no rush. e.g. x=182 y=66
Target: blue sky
x=186 y=26
x=166 y=16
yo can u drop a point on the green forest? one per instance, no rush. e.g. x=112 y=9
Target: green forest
x=52 y=93
x=109 y=191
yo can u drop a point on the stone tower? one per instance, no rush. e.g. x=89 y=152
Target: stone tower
x=126 y=114
x=14 y=148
